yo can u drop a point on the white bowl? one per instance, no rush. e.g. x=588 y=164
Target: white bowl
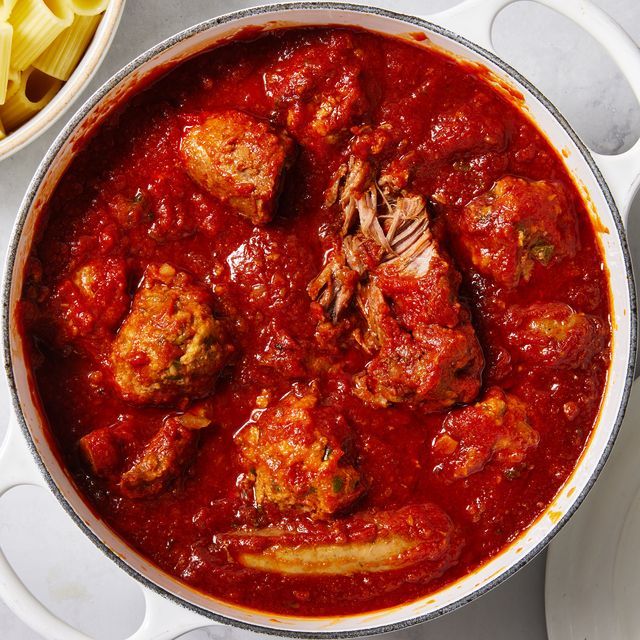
x=72 y=88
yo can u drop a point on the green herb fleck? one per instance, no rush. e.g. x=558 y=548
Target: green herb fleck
x=338 y=484
x=173 y=372
x=543 y=253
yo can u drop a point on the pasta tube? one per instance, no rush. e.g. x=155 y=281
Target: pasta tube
x=13 y=84
x=88 y=7
x=3 y=133
x=34 y=92
x=61 y=57
x=6 y=33
x=5 y=8
x=36 y=24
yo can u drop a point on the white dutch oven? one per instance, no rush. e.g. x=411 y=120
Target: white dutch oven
x=610 y=182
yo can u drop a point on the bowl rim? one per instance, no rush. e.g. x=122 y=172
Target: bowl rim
x=77 y=119
x=71 y=89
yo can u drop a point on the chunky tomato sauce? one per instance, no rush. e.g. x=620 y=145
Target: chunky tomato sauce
x=141 y=230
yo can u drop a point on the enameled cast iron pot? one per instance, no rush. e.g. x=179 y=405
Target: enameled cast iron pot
x=608 y=182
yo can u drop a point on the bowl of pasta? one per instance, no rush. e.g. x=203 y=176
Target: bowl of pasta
x=49 y=50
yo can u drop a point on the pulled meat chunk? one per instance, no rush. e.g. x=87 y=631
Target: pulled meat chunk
x=300 y=458
x=431 y=364
x=113 y=453
x=425 y=350
x=552 y=334
x=516 y=224
x=164 y=457
x=170 y=346
x=495 y=430
x=370 y=542
x=240 y=160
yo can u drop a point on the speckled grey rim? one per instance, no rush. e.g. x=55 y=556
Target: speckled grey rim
x=75 y=121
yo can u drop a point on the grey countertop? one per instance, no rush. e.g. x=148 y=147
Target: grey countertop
x=47 y=550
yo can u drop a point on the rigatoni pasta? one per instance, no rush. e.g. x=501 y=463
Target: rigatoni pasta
x=5 y=8
x=14 y=83
x=34 y=92
x=61 y=58
x=6 y=36
x=36 y=24
x=41 y=43
x=88 y=7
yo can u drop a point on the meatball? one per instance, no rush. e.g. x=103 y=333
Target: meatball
x=516 y=224
x=322 y=96
x=94 y=298
x=495 y=429
x=170 y=346
x=330 y=111
x=299 y=455
x=554 y=335
x=240 y=160
x=473 y=126
x=370 y=542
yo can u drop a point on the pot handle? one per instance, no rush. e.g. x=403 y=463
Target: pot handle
x=474 y=19
x=163 y=620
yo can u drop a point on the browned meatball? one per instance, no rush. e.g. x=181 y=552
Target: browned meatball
x=516 y=224
x=299 y=456
x=170 y=346
x=473 y=126
x=552 y=334
x=323 y=96
x=431 y=365
x=240 y=160
x=496 y=430
x=93 y=299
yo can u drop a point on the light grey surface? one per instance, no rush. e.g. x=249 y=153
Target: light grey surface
x=61 y=566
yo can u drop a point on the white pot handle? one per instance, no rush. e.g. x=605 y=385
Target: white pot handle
x=474 y=19
x=163 y=620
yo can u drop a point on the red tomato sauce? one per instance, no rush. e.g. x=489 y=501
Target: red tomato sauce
x=126 y=202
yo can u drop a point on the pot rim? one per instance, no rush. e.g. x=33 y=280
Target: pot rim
x=77 y=119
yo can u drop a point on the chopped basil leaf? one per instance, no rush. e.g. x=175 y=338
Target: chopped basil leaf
x=338 y=484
